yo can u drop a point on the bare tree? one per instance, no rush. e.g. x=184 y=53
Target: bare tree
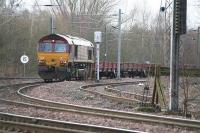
x=21 y=29
x=84 y=12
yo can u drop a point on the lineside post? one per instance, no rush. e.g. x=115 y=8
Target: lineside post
x=97 y=64
x=97 y=40
x=119 y=45
x=179 y=28
x=198 y=32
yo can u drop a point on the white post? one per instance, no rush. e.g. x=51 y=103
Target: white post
x=24 y=59
x=198 y=31
x=97 y=57
x=97 y=40
x=51 y=25
x=24 y=69
x=119 y=46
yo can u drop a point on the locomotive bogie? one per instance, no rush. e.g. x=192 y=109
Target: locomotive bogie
x=50 y=73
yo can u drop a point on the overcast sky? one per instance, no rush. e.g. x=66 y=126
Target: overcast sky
x=193 y=12
x=149 y=5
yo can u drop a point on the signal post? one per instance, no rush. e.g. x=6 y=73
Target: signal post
x=97 y=40
x=179 y=28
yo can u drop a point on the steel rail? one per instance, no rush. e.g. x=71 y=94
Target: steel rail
x=114 y=98
x=138 y=97
x=21 y=84
x=122 y=99
x=33 y=124
x=113 y=113
x=9 y=78
x=87 y=113
x=24 y=127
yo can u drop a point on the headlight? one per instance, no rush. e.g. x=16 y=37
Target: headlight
x=62 y=61
x=41 y=61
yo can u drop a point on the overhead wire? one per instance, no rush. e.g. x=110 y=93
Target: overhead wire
x=54 y=7
x=36 y=3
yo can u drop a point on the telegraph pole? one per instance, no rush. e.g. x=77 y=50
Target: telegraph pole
x=179 y=27
x=198 y=32
x=97 y=40
x=51 y=18
x=119 y=46
x=167 y=9
x=51 y=25
x=106 y=47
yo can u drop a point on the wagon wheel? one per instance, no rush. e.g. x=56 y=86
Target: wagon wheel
x=61 y=79
x=68 y=77
x=48 y=80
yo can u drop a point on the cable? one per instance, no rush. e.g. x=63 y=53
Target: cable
x=36 y=3
x=53 y=9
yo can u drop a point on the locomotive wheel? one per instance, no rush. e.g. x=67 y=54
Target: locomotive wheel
x=60 y=80
x=68 y=78
x=48 y=80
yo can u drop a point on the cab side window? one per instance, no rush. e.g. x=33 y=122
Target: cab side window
x=76 y=51
x=89 y=54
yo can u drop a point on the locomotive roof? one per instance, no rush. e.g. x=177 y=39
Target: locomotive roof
x=70 y=39
x=80 y=41
x=76 y=40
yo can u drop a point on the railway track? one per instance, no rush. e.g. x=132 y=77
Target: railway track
x=119 y=99
x=122 y=115
x=136 y=96
x=15 y=123
x=106 y=113
x=10 y=78
x=7 y=81
x=11 y=122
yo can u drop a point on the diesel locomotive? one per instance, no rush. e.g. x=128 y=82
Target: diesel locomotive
x=63 y=57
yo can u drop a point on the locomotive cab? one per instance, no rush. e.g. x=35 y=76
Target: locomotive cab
x=53 y=56
x=53 y=53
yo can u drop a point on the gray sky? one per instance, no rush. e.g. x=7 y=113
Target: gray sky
x=193 y=17
x=153 y=6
